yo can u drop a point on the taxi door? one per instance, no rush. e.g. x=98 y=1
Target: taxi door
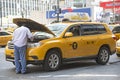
x=71 y=45
x=89 y=45
x=89 y=39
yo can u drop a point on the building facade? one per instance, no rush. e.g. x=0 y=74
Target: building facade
x=18 y=7
x=25 y=8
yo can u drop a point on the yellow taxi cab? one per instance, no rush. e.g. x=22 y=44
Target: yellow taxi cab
x=58 y=43
x=11 y=29
x=4 y=37
x=115 y=28
x=118 y=48
x=116 y=31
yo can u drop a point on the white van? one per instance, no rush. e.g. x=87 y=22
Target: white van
x=77 y=16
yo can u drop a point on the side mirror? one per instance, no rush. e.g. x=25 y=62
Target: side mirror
x=68 y=34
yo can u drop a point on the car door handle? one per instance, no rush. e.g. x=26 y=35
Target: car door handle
x=88 y=42
x=92 y=42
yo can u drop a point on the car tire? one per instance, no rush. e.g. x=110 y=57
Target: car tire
x=103 y=56
x=52 y=61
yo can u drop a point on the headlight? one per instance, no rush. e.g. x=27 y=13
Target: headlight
x=118 y=43
x=32 y=45
x=8 y=42
x=10 y=45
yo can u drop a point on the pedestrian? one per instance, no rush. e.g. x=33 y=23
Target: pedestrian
x=20 y=37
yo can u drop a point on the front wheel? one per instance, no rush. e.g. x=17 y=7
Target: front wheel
x=103 y=56
x=52 y=61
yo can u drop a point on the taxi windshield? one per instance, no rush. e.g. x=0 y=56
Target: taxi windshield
x=57 y=28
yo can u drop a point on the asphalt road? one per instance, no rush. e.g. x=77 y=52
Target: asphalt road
x=83 y=70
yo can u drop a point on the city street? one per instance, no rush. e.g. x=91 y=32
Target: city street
x=83 y=70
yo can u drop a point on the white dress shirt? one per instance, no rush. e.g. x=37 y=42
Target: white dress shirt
x=20 y=36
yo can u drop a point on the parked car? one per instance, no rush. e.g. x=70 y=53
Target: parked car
x=118 y=48
x=116 y=30
x=4 y=37
x=58 y=43
x=11 y=29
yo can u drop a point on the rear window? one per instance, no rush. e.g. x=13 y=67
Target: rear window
x=101 y=29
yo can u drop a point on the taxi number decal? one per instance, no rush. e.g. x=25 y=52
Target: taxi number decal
x=74 y=45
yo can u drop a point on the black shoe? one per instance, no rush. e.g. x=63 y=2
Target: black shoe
x=18 y=72
x=24 y=72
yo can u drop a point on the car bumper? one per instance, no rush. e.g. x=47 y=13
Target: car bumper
x=118 y=51
x=36 y=62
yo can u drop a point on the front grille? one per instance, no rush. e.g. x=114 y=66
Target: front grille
x=10 y=45
x=9 y=57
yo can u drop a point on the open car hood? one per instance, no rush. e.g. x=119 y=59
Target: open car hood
x=32 y=25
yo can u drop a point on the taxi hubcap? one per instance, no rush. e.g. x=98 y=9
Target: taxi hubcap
x=104 y=55
x=53 y=61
